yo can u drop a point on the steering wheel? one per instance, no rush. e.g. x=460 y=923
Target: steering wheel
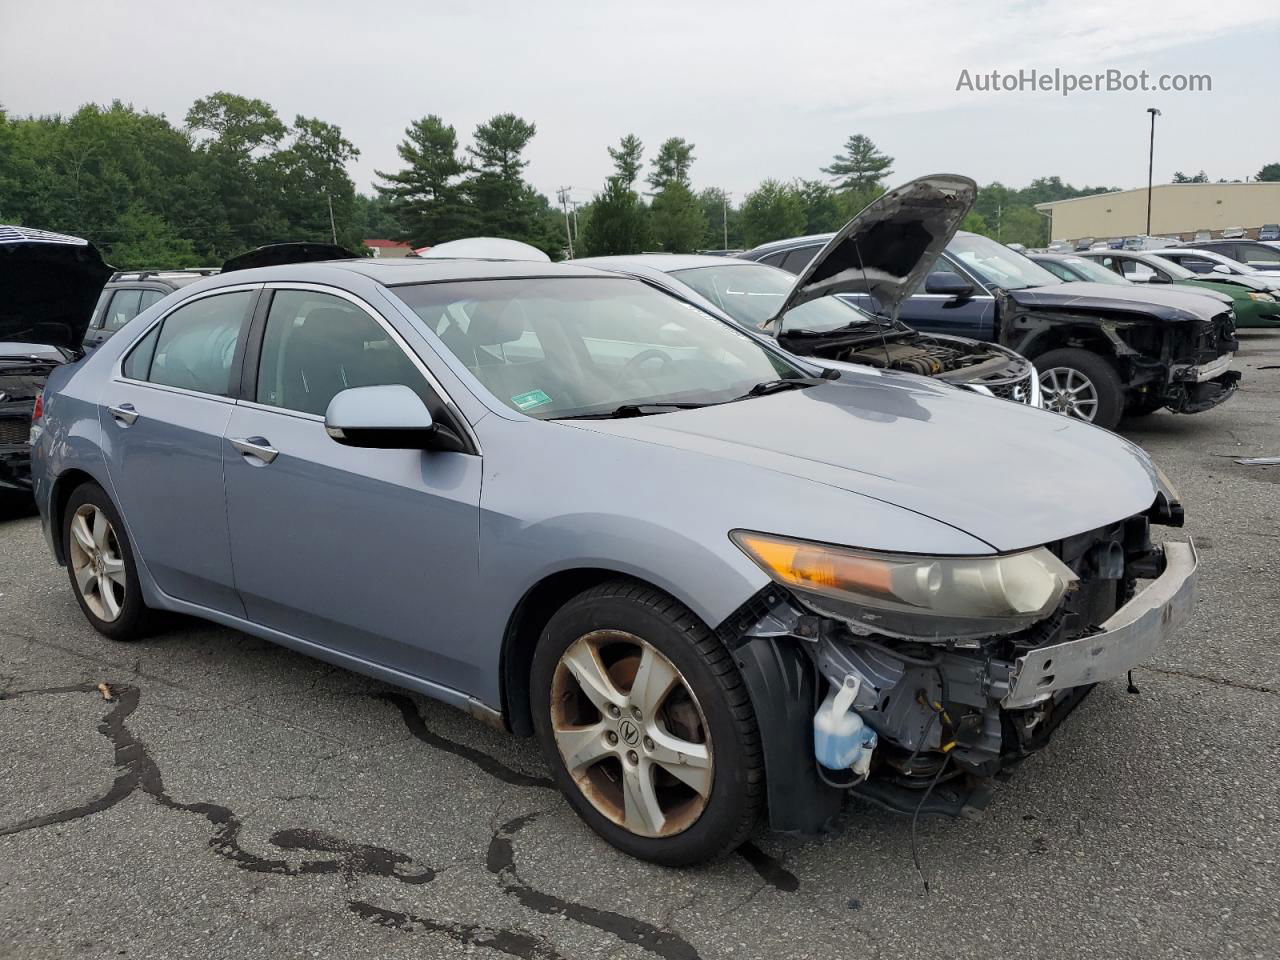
x=631 y=368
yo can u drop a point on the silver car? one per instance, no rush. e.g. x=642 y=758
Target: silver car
x=710 y=579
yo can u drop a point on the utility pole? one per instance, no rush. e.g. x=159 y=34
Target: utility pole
x=333 y=227
x=999 y=219
x=1151 y=161
x=724 y=216
x=563 y=194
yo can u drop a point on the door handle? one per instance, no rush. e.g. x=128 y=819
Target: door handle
x=256 y=447
x=125 y=414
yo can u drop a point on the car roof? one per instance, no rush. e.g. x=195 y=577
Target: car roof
x=409 y=270
x=663 y=262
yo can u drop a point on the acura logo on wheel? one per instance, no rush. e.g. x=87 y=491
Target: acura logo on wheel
x=629 y=732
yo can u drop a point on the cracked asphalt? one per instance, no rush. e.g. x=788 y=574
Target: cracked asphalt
x=235 y=799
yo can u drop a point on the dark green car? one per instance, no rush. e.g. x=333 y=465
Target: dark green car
x=1253 y=304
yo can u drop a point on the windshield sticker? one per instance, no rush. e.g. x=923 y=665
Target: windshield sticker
x=534 y=398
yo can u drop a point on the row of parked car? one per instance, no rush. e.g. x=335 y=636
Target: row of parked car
x=724 y=540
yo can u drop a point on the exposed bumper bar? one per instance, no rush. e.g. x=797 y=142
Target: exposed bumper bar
x=1206 y=371
x=1132 y=634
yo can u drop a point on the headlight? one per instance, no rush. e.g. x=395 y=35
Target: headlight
x=1262 y=297
x=911 y=596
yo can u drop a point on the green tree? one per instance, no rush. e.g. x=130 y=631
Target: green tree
x=426 y=198
x=618 y=223
x=678 y=222
x=860 y=165
x=672 y=163
x=773 y=211
x=316 y=198
x=822 y=211
x=1269 y=173
x=627 y=159
x=1180 y=177
x=975 y=222
x=1023 y=224
x=147 y=240
x=504 y=205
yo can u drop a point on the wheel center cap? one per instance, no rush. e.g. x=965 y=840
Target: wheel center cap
x=629 y=733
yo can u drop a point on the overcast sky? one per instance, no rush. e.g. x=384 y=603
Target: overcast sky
x=763 y=89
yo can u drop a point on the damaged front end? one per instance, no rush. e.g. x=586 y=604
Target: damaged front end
x=930 y=723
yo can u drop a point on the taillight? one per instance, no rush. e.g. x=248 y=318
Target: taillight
x=37 y=412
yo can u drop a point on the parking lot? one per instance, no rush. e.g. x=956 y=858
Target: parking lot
x=235 y=799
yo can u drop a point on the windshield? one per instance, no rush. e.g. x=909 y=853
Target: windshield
x=1169 y=267
x=752 y=294
x=997 y=265
x=574 y=346
x=1093 y=272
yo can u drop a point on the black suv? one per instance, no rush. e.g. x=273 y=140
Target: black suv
x=129 y=292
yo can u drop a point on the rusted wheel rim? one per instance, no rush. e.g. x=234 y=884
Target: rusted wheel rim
x=97 y=562
x=632 y=734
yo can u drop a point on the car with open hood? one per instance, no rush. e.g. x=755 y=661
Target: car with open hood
x=709 y=582
x=828 y=328
x=51 y=282
x=1101 y=350
x=1253 y=298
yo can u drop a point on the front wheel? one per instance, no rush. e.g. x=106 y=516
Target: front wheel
x=1080 y=384
x=647 y=726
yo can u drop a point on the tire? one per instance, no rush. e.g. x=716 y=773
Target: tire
x=1060 y=369
x=620 y=629
x=123 y=616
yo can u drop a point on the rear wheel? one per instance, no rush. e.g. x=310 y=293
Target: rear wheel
x=104 y=577
x=646 y=724
x=1080 y=384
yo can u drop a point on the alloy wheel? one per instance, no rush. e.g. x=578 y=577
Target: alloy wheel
x=97 y=563
x=631 y=733
x=1070 y=392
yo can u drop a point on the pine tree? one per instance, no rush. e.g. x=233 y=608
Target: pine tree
x=426 y=197
x=672 y=163
x=861 y=165
x=627 y=159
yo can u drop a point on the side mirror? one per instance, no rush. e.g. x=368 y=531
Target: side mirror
x=948 y=285
x=1221 y=268
x=390 y=417
x=1158 y=278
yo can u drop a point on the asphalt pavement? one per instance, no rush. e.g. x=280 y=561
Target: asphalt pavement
x=234 y=799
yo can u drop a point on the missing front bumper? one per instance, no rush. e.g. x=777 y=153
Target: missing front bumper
x=1134 y=633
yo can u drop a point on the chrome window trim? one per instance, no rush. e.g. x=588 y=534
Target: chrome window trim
x=267 y=408
x=117 y=371
x=396 y=338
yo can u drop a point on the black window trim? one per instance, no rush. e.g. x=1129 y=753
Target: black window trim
x=252 y=356
x=237 y=360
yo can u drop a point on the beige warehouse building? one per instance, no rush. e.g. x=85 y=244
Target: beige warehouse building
x=1177 y=210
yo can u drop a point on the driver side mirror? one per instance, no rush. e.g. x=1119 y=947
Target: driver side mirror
x=390 y=417
x=948 y=284
x=1221 y=268
x=1158 y=278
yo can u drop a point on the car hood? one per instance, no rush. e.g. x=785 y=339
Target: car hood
x=280 y=254
x=51 y=283
x=889 y=248
x=1005 y=473
x=1088 y=297
x=1242 y=282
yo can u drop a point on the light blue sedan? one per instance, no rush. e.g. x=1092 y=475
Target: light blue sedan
x=706 y=576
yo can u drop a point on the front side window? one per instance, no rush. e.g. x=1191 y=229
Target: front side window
x=316 y=345
x=194 y=346
x=1260 y=253
x=1090 y=270
x=752 y=294
x=998 y=266
x=583 y=346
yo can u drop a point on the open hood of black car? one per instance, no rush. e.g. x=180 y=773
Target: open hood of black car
x=889 y=248
x=51 y=283
x=279 y=254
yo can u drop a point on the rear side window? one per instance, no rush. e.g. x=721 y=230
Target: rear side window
x=1260 y=253
x=797 y=260
x=123 y=308
x=194 y=346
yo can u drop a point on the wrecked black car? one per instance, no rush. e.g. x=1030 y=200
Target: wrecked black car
x=1101 y=352
x=50 y=283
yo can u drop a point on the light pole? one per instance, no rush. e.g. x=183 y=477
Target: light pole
x=1151 y=160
